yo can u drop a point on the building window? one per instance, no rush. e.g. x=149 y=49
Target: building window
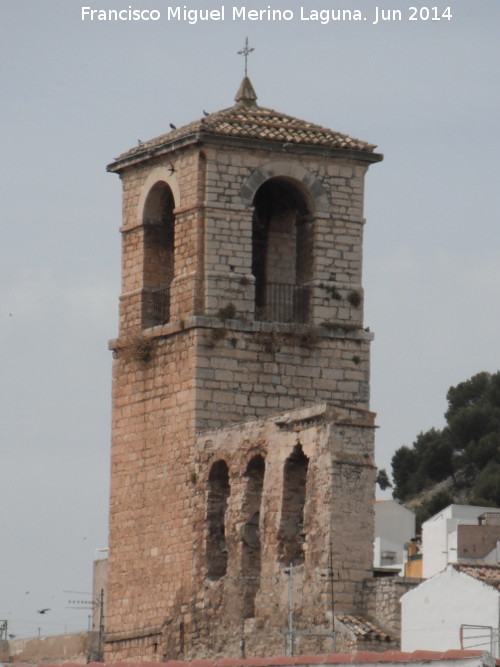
x=291 y=535
x=250 y=534
x=218 y=493
x=281 y=251
x=158 y=268
x=388 y=558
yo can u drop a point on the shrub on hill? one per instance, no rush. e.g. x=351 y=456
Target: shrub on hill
x=466 y=451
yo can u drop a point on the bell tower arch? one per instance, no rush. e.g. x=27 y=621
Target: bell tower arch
x=242 y=439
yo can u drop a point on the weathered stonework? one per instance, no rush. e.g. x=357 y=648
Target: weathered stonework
x=380 y=599
x=242 y=455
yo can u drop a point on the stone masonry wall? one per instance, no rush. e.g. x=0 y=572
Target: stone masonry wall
x=232 y=178
x=381 y=601
x=184 y=177
x=338 y=534
x=150 y=542
x=212 y=365
x=257 y=369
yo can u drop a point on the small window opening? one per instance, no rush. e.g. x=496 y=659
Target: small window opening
x=218 y=493
x=250 y=534
x=291 y=535
x=281 y=252
x=159 y=241
x=388 y=558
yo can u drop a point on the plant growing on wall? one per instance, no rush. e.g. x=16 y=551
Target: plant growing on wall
x=227 y=313
x=135 y=348
x=354 y=299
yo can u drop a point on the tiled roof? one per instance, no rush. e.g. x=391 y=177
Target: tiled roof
x=247 y=120
x=364 y=629
x=362 y=657
x=488 y=574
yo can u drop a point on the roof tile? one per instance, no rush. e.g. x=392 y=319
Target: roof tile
x=250 y=121
x=488 y=574
x=308 y=659
x=366 y=657
x=338 y=658
x=363 y=628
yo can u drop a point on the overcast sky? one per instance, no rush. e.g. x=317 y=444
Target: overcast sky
x=77 y=93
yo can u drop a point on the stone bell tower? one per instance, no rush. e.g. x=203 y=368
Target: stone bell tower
x=242 y=477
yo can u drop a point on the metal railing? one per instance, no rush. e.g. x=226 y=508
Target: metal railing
x=279 y=302
x=158 y=306
x=274 y=302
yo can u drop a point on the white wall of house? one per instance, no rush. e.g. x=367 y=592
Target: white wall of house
x=434 y=611
x=388 y=554
x=439 y=536
x=394 y=527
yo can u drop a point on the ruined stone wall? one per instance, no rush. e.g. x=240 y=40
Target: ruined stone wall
x=381 y=601
x=337 y=530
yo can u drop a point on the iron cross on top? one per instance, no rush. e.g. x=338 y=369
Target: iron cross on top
x=245 y=52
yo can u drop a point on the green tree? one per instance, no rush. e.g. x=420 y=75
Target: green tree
x=404 y=463
x=383 y=479
x=466 y=394
x=469 y=444
x=487 y=486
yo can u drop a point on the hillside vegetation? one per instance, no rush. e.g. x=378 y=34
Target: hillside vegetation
x=459 y=463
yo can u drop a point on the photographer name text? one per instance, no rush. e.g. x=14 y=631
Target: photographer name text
x=268 y=14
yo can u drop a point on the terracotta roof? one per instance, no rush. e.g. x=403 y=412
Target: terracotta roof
x=366 y=657
x=488 y=574
x=363 y=628
x=247 y=120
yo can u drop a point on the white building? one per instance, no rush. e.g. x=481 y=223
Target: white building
x=446 y=540
x=455 y=609
x=394 y=527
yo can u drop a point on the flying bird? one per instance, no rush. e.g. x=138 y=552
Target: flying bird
x=174 y=127
x=43 y=611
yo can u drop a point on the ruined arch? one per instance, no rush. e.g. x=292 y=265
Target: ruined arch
x=250 y=533
x=291 y=536
x=218 y=493
x=158 y=220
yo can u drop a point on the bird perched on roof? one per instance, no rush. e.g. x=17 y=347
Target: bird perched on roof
x=205 y=113
x=174 y=127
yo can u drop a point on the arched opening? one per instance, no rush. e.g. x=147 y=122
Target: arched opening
x=291 y=535
x=159 y=239
x=281 y=251
x=250 y=534
x=218 y=493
